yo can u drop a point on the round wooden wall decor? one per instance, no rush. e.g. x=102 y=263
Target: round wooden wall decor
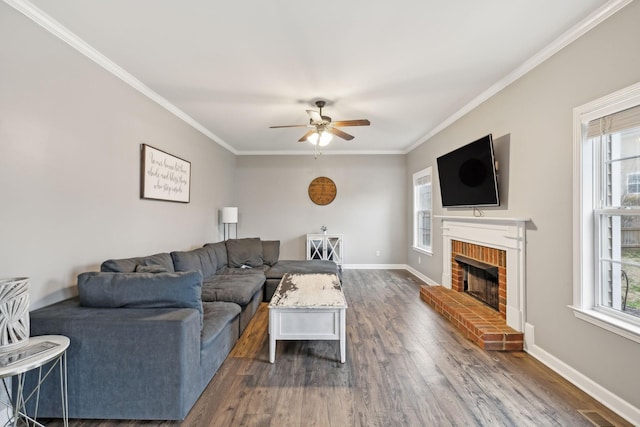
x=322 y=191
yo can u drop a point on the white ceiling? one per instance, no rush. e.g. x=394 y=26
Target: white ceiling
x=234 y=68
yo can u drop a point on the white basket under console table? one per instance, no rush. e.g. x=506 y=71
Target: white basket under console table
x=508 y=234
x=326 y=246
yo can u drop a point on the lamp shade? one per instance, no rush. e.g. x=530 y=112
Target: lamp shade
x=230 y=215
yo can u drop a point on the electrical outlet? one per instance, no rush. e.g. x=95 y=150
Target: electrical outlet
x=419 y=260
x=377 y=253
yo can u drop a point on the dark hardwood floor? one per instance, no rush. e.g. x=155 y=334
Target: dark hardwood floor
x=406 y=366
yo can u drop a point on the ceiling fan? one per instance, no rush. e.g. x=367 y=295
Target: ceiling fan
x=324 y=127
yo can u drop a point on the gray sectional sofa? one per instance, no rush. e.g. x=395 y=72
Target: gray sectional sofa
x=148 y=333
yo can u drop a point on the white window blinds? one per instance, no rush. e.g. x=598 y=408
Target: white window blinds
x=423 y=185
x=616 y=122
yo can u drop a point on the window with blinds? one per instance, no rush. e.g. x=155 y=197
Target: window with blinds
x=615 y=145
x=422 y=210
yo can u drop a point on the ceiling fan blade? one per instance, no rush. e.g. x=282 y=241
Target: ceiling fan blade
x=289 y=126
x=338 y=132
x=361 y=122
x=306 y=135
x=315 y=116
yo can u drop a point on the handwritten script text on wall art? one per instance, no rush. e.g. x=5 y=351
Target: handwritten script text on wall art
x=163 y=176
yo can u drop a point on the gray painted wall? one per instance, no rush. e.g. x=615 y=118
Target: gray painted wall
x=70 y=135
x=532 y=119
x=369 y=209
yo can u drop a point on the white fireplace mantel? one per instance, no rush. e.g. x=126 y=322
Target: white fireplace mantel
x=507 y=234
x=488 y=219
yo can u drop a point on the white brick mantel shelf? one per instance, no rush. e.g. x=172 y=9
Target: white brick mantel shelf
x=507 y=234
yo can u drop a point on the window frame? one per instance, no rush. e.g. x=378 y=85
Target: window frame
x=426 y=172
x=586 y=166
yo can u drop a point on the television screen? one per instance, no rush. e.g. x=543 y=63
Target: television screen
x=468 y=175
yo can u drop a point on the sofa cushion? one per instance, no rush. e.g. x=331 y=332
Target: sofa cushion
x=230 y=271
x=238 y=288
x=244 y=252
x=128 y=265
x=202 y=260
x=220 y=249
x=302 y=267
x=216 y=316
x=141 y=290
x=150 y=269
x=270 y=251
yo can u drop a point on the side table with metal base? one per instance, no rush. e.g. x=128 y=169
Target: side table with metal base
x=37 y=353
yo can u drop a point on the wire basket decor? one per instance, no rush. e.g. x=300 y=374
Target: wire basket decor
x=14 y=313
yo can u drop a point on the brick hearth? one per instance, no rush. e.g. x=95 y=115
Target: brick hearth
x=478 y=322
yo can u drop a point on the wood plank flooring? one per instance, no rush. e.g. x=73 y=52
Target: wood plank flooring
x=406 y=366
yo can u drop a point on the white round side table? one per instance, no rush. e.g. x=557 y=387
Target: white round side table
x=37 y=353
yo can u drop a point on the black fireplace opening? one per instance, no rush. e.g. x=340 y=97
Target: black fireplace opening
x=480 y=281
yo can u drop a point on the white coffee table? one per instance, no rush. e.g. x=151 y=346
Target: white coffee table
x=308 y=307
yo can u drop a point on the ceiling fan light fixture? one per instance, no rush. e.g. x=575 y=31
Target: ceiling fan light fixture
x=321 y=138
x=325 y=139
x=322 y=128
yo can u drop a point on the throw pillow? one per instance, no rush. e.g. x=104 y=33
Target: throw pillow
x=244 y=252
x=141 y=290
x=270 y=251
x=220 y=249
x=201 y=259
x=128 y=265
x=150 y=269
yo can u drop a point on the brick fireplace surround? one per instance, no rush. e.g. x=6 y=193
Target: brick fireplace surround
x=491 y=256
x=498 y=242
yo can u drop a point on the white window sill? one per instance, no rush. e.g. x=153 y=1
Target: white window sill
x=611 y=324
x=422 y=251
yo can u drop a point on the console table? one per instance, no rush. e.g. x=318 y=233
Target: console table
x=37 y=353
x=326 y=246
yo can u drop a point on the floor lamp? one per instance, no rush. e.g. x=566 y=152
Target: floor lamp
x=229 y=216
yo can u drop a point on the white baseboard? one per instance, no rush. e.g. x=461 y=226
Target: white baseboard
x=374 y=266
x=586 y=384
x=421 y=276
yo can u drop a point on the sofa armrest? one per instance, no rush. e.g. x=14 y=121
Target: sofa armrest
x=125 y=363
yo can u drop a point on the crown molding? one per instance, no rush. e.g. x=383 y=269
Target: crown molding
x=323 y=153
x=60 y=31
x=571 y=35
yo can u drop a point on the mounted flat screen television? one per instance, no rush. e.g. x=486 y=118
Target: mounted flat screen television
x=468 y=175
